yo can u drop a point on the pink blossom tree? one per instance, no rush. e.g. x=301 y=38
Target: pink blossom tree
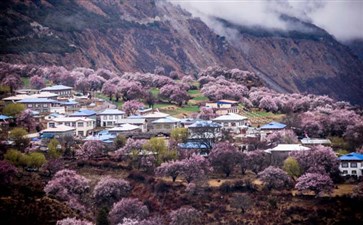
x=95 y=82
x=170 y=169
x=185 y=215
x=223 y=157
x=354 y=134
x=267 y=103
x=37 y=82
x=7 y=172
x=109 y=89
x=130 y=90
x=73 y=221
x=105 y=74
x=131 y=107
x=173 y=93
x=13 y=81
x=130 y=146
x=257 y=160
x=109 y=190
x=319 y=159
x=195 y=167
x=207 y=113
x=128 y=208
x=275 y=178
x=318 y=183
x=91 y=149
x=282 y=137
x=26 y=119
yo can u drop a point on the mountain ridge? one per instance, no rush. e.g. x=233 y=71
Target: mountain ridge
x=141 y=35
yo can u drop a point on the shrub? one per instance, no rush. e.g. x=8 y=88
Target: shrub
x=128 y=208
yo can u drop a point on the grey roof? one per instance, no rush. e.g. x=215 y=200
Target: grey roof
x=56 y=88
x=315 y=141
x=111 y=112
x=168 y=119
x=37 y=100
x=205 y=124
x=230 y=117
x=131 y=121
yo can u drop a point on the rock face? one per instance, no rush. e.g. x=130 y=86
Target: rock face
x=143 y=34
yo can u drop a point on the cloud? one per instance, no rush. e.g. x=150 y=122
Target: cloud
x=341 y=18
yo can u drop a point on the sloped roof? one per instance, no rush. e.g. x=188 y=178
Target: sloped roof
x=84 y=112
x=168 y=119
x=155 y=115
x=315 y=141
x=111 y=112
x=288 y=148
x=226 y=101
x=3 y=117
x=352 y=156
x=192 y=145
x=273 y=125
x=131 y=121
x=230 y=117
x=205 y=124
x=37 y=100
x=124 y=127
x=56 y=88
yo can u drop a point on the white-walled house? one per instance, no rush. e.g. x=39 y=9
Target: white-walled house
x=231 y=121
x=84 y=126
x=60 y=90
x=111 y=117
x=351 y=164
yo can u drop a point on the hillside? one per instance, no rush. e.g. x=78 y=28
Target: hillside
x=141 y=35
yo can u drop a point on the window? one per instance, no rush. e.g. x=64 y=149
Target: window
x=157 y=126
x=354 y=172
x=37 y=105
x=105 y=117
x=45 y=105
x=109 y=123
x=30 y=105
x=353 y=164
x=80 y=124
x=233 y=124
x=344 y=164
x=116 y=117
x=51 y=125
x=73 y=124
x=110 y=117
x=226 y=124
x=67 y=123
x=167 y=126
x=345 y=171
x=80 y=133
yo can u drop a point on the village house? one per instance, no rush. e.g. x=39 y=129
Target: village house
x=351 y=164
x=224 y=106
x=61 y=90
x=165 y=125
x=42 y=105
x=281 y=152
x=69 y=106
x=186 y=122
x=125 y=129
x=58 y=131
x=232 y=121
x=273 y=126
x=134 y=120
x=83 y=126
x=15 y=98
x=315 y=141
x=110 y=117
x=150 y=117
x=84 y=113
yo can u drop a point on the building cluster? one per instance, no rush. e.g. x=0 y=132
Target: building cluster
x=63 y=113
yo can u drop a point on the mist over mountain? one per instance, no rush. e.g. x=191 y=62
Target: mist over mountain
x=287 y=49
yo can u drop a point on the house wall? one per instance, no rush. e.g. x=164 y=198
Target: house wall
x=110 y=120
x=348 y=168
x=40 y=107
x=165 y=128
x=83 y=128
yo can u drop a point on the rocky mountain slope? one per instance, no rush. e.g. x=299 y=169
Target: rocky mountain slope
x=141 y=35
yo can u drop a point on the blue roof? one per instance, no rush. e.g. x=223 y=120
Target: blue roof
x=192 y=145
x=3 y=117
x=273 y=125
x=56 y=88
x=47 y=135
x=205 y=124
x=84 y=112
x=37 y=100
x=352 y=156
